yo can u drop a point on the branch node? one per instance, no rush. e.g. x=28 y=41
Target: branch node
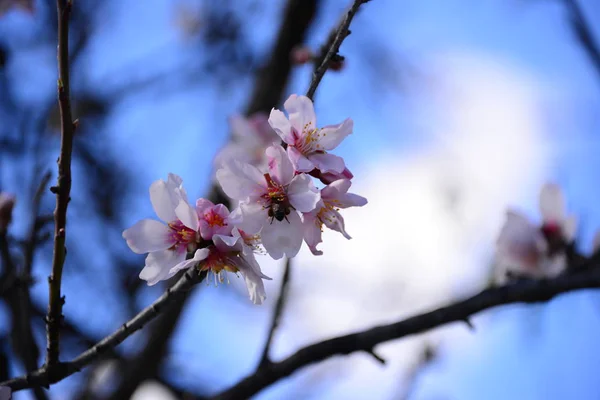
x=376 y=356
x=469 y=324
x=54 y=189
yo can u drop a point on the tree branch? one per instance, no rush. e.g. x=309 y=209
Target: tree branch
x=50 y=374
x=584 y=33
x=333 y=47
x=519 y=292
x=63 y=188
x=283 y=291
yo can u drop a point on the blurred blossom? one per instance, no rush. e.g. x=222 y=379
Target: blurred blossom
x=7 y=5
x=526 y=249
x=301 y=55
x=188 y=20
x=250 y=138
x=7 y=203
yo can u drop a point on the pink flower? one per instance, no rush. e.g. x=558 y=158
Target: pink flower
x=333 y=198
x=250 y=137
x=307 y=145
x=214 y=219
x=167 y=243
x=330 y=177
x=526 y=249
x=229 y=254
x=270 y=202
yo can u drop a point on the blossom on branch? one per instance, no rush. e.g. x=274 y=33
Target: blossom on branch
x=167 y=243
x=270 y=202
x=307 y=145
x=333 y=198
x=526 y=249
x=214 y=219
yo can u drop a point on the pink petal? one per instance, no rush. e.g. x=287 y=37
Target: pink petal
x=332 y=135
x=335 y=221
x=299 y=161
x=280 y=166
x=281 y=125
x=203 y=205
x=301 y=113
x=187 y=215
x=303 y=194
x=158 y=265
x=327 y=162
x=254 y=216
x=240 y=181
x=227 y=243
x=164 y=200
x=147 y=235
x=283 y=238
x=199 y=255
x=312 y=233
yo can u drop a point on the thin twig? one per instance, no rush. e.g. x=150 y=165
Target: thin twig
x=53 y=373
x=582 y=29
x=519 y=292
x=63 y=188
x=283 y=291
x=334 y=47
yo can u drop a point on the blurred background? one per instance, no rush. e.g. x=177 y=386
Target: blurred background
x=462 y=108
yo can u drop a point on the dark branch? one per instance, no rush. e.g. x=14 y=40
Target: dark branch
x=264 y=359
x=582 y=29
x=50 y=374
x=519 y=292
x=333 y=48
x=63 y=188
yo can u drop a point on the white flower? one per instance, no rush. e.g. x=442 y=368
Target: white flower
x=270 y=202
x=167 y=243
x=307 y=145
x=229 y=254
x=526 y=249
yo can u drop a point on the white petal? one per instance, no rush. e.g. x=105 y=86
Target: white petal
x=164 y=200
x=240 y=127
x=332 y=135
x=301 y=112
x=299 y=161
x=240 y=181
x=303 y=194
x=334 y=188
x=326 y=162
x=569 y=228
x=187 y=215
x=254 y=216
x=335 y=221
x=158 y=265
x=147 y=235
x=227 y=243
x=552 y=203
x=283 y=238
x=199 y=255
x=281 y=125
x=254 y=283
x=312 y=233
x=280 y=166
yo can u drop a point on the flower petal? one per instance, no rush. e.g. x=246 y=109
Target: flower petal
x=552 y=203
x=254 y=281
x=203 y=205
x=280 y=166
x=164 y=200
x=240 y=181
x=254 y=216
x=187 y=215
x=326 y=162
x=281 y=125
x=199 y=255
x=303 y=194
x=312 y=233
x=283 y=238
x=335 y=221
x=148 y=235
x=158 y=265
x=301 y=113
x=332 y=135
x=299 y=161
x=227 y=243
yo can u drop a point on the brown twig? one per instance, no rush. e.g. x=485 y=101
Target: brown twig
x=333 y=48
x=53 y=373
x=582 y=29
x=62 y=189
x=264 y=359
x=519 y=292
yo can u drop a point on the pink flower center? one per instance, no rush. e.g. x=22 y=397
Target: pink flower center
x=218 y=261
x=275 y=192
x=213 y=219
x=181 y=235
x=308 y=141
x=326 y=213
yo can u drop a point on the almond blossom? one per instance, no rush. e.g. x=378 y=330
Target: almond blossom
x=214 y=219
x=250 y=137
x=229 y=254
x=307 y=145
x=270 y=202
x=333 y=198
x=526 y=249
x=166 y=242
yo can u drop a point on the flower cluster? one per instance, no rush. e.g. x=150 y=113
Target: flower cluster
x=277 y=203
x=527 y=250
